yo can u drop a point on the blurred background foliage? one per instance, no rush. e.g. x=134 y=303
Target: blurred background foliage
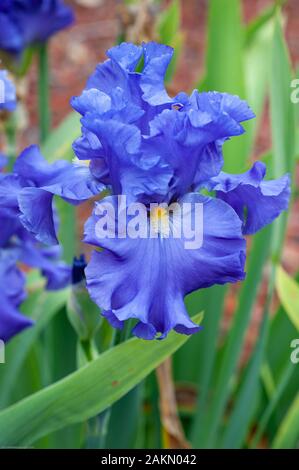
x=232 y=385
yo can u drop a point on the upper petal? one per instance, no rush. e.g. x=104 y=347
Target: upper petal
x=156 y=60
x=142 y=177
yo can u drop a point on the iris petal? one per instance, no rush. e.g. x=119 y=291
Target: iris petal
x=41 y=182
x=148 y=278
x=257 y=202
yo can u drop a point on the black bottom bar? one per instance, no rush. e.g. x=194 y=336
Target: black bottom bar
x=139 y=458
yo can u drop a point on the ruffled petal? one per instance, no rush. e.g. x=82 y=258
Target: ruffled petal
x=126 y=55
x=257 y=202
x=108 y=76
x=223 y=105
x=143 y=178
x=41 y=180
x=156 y=60
x=91 y=100
x=88 y=146
x=147 y=278
x=32 y=167
x=36 y=206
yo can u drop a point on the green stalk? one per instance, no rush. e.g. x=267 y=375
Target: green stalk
x=43 y=92
x=239 y=421
x=234 y=344
x=287 y=374
x=11 y=140
x=213 y=311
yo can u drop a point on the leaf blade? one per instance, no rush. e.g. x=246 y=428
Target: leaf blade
x=100 y=383
x=288 y=293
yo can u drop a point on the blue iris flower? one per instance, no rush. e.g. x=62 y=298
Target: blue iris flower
x=7 y=92
x=27 y=22
x=154 y=148
x=18 y=245
x=139 y=142
x=12 y=294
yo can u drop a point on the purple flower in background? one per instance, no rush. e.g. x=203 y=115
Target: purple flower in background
x=12 y=294
x=7 y=93
x=139 y=142
x=18 y=245
x=25 y=23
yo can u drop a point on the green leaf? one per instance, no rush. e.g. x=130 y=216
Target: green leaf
x=213 y=304
x=253 y=28
x=125 y=416
x=282 y=109
x=224 y=67
x=184 y=369
x=86 y=392
x=262 y=422
x=267 y=379
x=169 y=33
x=288 y=432
x=42 y=306
x=282 y=120
x=169 y=22
x=282 y=331
x=257 y=75
x=59 y=143
x=288 y=293
x=236 y=336
x=239 y=421
x=225 y=43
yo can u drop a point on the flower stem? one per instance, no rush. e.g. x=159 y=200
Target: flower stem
x=11 y=150
x=43 y=92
